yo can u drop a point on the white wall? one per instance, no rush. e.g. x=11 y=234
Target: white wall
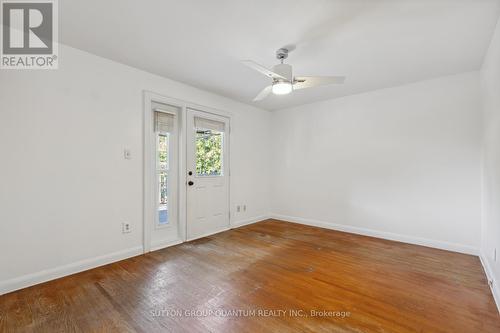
x=490 y=83
x=65 y=187
x=400 y=163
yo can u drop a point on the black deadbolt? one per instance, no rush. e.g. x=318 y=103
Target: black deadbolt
x=190 y=173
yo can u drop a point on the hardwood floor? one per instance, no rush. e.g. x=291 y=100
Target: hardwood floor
x=368 y=284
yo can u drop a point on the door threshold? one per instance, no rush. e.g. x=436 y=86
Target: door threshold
x=163 y=244
x=209 y=233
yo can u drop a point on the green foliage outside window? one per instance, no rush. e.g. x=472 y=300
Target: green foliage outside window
x=208 y=153
x=163 y=151
x=163 y=166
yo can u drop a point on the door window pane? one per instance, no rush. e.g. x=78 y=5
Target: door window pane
x=163 y=151
x=209 y=152
x=162 y=172
x=163 y=204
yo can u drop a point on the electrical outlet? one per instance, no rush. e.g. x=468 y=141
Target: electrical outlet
x=495 y=254
x=126 y=228
x=238 y=208
x=244 y=208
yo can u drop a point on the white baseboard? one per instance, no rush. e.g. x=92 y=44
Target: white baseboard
x=491 y=280
x=252 y=220
x=61 y=271
x=381 y=234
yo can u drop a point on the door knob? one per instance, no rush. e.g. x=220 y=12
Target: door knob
x=190 y=183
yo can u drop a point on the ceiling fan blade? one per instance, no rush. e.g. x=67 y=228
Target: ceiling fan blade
x=302 y=82
x=263 y=94
x=262 y=69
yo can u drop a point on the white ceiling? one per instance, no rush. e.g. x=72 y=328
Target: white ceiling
x=376 y=44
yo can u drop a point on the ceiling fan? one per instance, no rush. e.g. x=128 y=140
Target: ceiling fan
x=283 y=81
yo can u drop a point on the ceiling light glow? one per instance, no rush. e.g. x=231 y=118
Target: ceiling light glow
x=282 y=88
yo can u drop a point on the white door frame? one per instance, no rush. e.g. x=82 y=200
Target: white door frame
x=149 y=163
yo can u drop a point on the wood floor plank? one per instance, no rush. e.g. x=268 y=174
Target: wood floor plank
x=277 y=275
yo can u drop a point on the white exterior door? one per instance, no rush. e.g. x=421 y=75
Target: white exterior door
x=207 y=178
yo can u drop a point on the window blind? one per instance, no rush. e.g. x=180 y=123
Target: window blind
x=164 y=117
x=209 y=124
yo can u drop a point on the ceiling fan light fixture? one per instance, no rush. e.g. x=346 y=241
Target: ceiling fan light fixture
x=282 y=88
x=283 y=82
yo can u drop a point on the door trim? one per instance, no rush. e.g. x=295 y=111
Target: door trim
x=148 y=154
x=149 y=164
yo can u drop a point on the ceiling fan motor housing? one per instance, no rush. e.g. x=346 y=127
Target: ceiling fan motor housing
x=284 y=70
